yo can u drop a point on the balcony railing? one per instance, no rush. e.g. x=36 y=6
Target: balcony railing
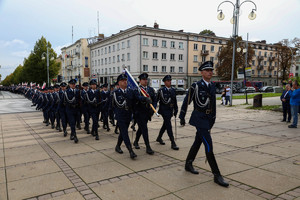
x=270 y=68
x=260 y=57
x=204 y=52
x=271 y=58
x=259 y=67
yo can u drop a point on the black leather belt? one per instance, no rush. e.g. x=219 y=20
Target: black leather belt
x=206 y=111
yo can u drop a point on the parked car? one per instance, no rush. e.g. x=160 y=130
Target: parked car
x=266 y=89
x=247 y=89
x=180 y=91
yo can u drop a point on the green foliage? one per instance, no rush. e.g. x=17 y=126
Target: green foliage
x=207 y=32
x=225 y=59
x=35 y=68
x=267 y=107
x=250 y=96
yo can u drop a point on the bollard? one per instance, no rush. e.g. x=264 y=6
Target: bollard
x=257 y=101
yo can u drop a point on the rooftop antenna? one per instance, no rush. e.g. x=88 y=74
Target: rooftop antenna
x=72 y=35
x=98 y=20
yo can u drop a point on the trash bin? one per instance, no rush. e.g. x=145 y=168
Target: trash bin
x=257 y=101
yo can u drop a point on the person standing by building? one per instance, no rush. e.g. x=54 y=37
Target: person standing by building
x=203 y=95
x=295 y=103
x=168 y=108
x=285 y=99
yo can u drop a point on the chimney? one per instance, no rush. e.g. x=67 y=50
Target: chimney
x=156 y=26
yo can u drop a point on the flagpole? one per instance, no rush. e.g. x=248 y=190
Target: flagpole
x=140 y=90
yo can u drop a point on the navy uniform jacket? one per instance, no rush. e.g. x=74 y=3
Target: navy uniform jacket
x=93 y=98
x=56 y=99
x=142 y=108
x=45 y=101
x=123 y=103
x=83 y=98
x=72 y=98
x=167 y=101
x=61 y=105
x=105 y=100
x=287 y=96
x=204 y=100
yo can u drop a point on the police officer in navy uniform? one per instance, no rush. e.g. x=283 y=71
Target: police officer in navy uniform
x=56 y=104
x=45 y=106
x=143 y=111
x=51 y=106
x=85 y=107
x=203 y=117
x=94 y=100
x=72 y=99
x=62 y=107
x=166 y=96
x=123 y=102
x=105 y=94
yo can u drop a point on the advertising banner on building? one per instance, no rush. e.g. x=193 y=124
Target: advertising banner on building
x=155 y=83
x=180 y=82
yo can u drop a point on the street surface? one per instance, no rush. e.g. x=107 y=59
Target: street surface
x=256 y=153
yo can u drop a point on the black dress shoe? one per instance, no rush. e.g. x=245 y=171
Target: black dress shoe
x=47 y=123
x=59 y=129
x=133 y=128
x=108 y=129
x=189 y=167
x=118 y=149
x=88 y=132
x=132 y=155
x=292 y=126
x=288 y=121
x=72 y=137
x=97 y=137
x=79 y=127
x=283 y=120
x=75 y=139
x=160 y=141
x=174 y=146
x=116 y=131
x=52 y=126
x=149 y=150
x=220 y=181
x=136 y=145
x=93 y=133
x=65 y=133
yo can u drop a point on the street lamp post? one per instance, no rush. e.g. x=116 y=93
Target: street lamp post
x=235 y=21
x=43 y=57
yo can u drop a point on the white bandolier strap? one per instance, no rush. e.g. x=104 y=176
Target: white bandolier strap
x=117 y=103
x=88 y=99
x=163 y=99
x=68 y=100
x=198 y=102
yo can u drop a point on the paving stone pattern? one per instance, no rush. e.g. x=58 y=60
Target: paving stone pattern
x=256 y=153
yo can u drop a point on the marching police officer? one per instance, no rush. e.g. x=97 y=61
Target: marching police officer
x=168 y=107
x=203 y=117
x=51 y=106
x=56 y=105
x=72 y=99
x=123 y=100
x=93 y=99
x=105 y=94
x=143 y=111
x=85 y=107
x=62 y=107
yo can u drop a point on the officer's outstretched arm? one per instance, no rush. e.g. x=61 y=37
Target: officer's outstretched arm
x=187 y=100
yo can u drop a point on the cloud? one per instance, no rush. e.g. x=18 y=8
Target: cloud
x=13 y=43
x=22 y=54
x=57 y=49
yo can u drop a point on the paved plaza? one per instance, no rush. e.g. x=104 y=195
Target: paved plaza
x=256 y=153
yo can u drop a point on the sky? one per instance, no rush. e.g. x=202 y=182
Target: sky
x=23 y=22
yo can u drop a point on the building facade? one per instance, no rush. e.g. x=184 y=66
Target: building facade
x=75 y=61
x=155 y=51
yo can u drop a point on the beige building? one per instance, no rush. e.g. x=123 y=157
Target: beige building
x=75 y=61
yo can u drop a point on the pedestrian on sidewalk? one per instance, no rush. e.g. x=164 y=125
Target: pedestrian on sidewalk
x=227 y=97
x=223 y=96
x=285 y=99
x=295 y=103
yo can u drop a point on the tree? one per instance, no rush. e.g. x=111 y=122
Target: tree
x=225 y=59
x=207 y=32
x=35 y=68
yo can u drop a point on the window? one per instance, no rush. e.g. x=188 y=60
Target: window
x=180 y=45
x=102 y=61
x=195 y=38
x=109 y=49
x=113 y=48
x=180 y=57
x=155 y=55
x=105 y=60
x=118 y=58
x=109 y=70
x=172 y=56
x=102 y=71
x=98 y=52
x=212 y=59
x=114 y=59
x=203 y=39
x=266 y=54
x=105 y=70
x=164 y=68
x=105 y=50
x=155 y=43
x=145 y=68
x=92 y=53
x=195 y=46
x=128 y=56
x=98 y=62
x=114 y=70
x=212 y=40
x=195 y=70
x=128 y=67
x=172 y=44
x=259 y=53
x=123 y=45
x=102 y=51
x=265 y=72
x=118 y=69
x=220 y=41
x=172 y=69
x=195 y=58
x=180 y=69
x=145 y=41
x=145 y=54
x=220 y=48
x=212 y=48
x=253 y=72
x=154 y=68
x=123 y=57
x=275 y=73
x=164 y=43
x=128 y=43
x=203 y=47
x=265 y=63
x=109 y=60
x=164 y=56
x=203 y=58
x=253 y=62
x=118 y=46
x=93 y=63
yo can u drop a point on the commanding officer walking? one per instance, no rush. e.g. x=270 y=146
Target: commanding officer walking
x=104 y=106
x=203 y=117
x=71 y=99
x=143 y=111
x=123 y=100
x=168 y=107
x=62 y=107
x=85 y=107
x=93 y=99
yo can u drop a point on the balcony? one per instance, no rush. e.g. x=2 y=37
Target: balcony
x=271 y=58
x=260 y=67
x=260 y=58
x=204 y=52
x=270 y=68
